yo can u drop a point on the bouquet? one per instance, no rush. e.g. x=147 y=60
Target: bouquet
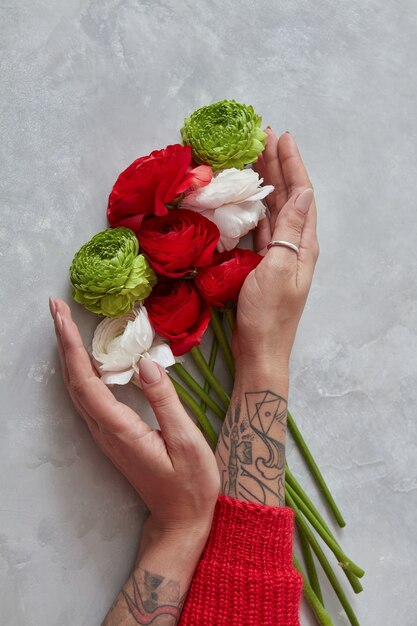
x=168 y=271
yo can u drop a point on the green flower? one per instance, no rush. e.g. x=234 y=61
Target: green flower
x=225 y=134
x=108 y=275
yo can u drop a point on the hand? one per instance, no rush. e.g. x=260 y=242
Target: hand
x=172 y=469
x=273 y=296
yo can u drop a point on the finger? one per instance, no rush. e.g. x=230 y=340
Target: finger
x=289 y=227
x=297 y=179
x=262 y=236
x=293 y=169
x=261 y=170
x=92 y=425
x=274 y=174
x=259 y=166
x=65 y=376
x=176 y=426
x=309 y=246
x=86 y=389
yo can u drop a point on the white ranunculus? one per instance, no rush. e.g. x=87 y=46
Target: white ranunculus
x=233 y=201
x=119 y=343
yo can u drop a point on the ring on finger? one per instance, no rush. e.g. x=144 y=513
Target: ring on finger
x=284 y=244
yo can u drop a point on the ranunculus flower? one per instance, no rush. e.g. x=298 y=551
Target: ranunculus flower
x=196 y=177
x=224 y=134
x=108 y=275
x=151 y=182
x=177 y=243
x=220 y=283
x=178 y=313
x=232 y=200
x=119 y=344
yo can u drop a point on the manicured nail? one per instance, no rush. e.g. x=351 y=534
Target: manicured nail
x=58 y=321
x=149 y=371
x=52 y=307
x=304 y=200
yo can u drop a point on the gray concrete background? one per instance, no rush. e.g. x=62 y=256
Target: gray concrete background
x=87 y=86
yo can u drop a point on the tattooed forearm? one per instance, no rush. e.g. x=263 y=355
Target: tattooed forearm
x=147 y=599
x=251 y=451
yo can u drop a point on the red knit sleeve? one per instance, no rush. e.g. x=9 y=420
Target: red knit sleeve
x=245 y=575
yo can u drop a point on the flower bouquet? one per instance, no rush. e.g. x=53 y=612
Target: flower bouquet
x=168 y=272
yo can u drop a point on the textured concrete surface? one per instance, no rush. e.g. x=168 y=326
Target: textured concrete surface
x=87 y=86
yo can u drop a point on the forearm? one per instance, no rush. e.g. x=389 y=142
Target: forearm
x=251 y=449
x=157 y=587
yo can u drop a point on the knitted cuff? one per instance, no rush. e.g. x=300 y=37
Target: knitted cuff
x=245 y=534
x=245 y=575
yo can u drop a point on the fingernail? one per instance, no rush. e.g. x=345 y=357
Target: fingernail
x=288 y=132
x=58 y=321
x=149 y=371
x=52 y=307
x=304 y=200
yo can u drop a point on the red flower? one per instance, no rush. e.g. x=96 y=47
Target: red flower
x=221 y=282
x=150 y=182
x=177 y=243
x=199 y=176
x=177 y=312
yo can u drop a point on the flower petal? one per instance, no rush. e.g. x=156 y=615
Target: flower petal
x=234 y=221
x=161 y=353
x=118 y=344
x=228 y=186
x=117 y=378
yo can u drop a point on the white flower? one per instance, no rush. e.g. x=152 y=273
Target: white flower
x=119 y=343
x=232 y=200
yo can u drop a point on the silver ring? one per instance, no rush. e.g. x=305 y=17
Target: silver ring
x=284 y=244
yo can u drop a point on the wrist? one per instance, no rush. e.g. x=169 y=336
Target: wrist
x=181 y=546
x=263 y=367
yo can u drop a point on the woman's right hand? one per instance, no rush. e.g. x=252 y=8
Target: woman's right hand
x=172 y=469
x=273 y=296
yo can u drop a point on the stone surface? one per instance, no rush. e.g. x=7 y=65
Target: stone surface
x=88 y=85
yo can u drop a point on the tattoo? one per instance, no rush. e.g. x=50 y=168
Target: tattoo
x=238 y=451
x=154 y=600
x=256 y=457
x=264 y=410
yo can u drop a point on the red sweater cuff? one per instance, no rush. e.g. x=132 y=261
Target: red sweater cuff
x=245 y=574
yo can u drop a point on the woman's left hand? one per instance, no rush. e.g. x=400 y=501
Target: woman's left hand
x=273 y=296
x=172 y=469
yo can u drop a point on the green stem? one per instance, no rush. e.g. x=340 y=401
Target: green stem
x=211 y=363
x=223 y=341
x=344 y=561
x=198 y=390
x=318 y=609
x=202 y=364
x=310 y=565
x=193 y=405
x=230 y=315
x=323 y=561
x=289 y=476
x=292 y=481
x=316 y=473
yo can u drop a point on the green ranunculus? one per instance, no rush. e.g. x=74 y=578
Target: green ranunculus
x=108 y=275
x=225 y=134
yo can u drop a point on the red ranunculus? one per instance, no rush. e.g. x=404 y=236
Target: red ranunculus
x=221 y=282
x=199 y=176
x=177 y=312
x=177 y=243
x=150 y=182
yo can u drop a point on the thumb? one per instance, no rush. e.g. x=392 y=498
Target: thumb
x=172 y=418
